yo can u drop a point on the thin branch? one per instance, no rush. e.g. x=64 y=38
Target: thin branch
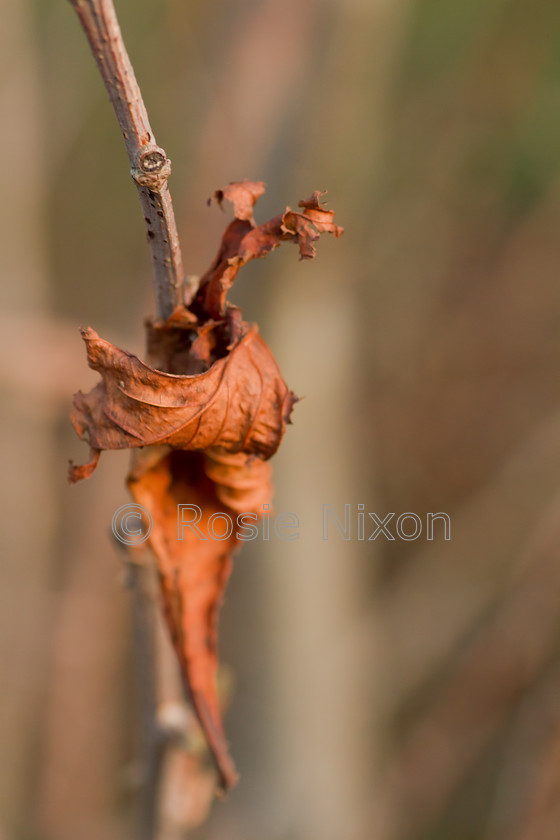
x=150 y=169
x=140 y=580
x=174 y=754
x=150 y=166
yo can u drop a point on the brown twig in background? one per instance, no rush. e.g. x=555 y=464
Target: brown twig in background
x=176 y=779
x=150 y=169
x=140 y=581
x=150 y=166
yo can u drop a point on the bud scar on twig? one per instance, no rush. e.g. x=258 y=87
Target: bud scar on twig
x=152 y=167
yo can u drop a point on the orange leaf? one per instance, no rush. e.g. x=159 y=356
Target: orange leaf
x=243 y=242
x=241 y=403
x=193 y=575
x=202 y=420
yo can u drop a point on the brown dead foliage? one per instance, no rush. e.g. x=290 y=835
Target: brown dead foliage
x=202 y=418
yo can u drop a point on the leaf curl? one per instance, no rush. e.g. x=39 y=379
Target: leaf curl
x=241 y=403
x=243 y=241
x=202 y=419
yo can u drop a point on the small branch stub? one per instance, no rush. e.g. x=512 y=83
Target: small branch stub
x=152 y=168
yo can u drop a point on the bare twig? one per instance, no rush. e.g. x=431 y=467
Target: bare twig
x=142 y=585
x=150 y=166
x=176 y=781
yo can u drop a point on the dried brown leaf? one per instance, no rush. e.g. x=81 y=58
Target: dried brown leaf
x=243 y=242
x=240 y=403
x=243 y=195
x=193 y=575
x=202 y=420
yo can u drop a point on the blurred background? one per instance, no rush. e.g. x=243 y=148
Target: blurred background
x=382 y=690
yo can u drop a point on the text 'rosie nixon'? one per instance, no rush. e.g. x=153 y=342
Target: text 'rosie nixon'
x=355 y=524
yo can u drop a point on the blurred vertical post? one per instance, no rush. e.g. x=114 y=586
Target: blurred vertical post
x=328 y=726
x=26 y=509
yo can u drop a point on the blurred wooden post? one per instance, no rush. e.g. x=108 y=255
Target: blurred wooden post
x=27 y=517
